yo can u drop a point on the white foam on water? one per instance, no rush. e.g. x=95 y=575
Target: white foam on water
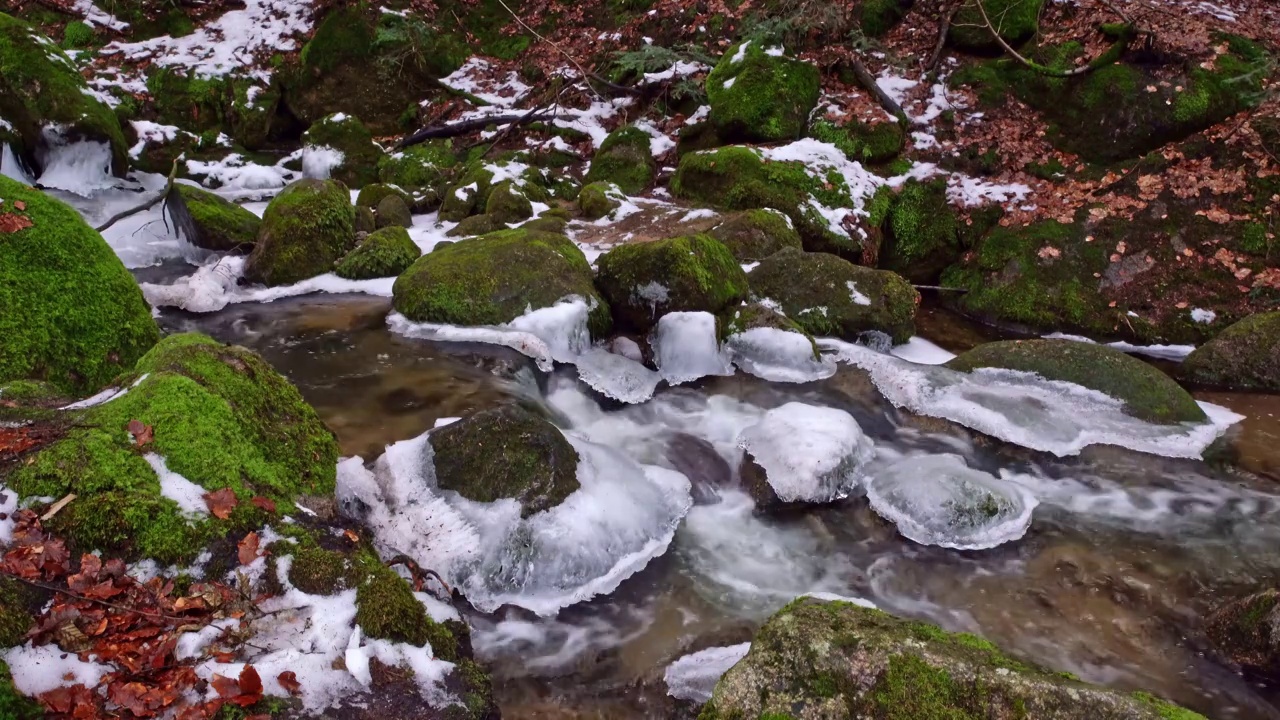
x=1025 y=409
x=1176 y=353
x=616 y=376
x=215 y=285
x=685 y=347
x=809 y=453
x=778 y=355
x=939 y=500
x=694 y=676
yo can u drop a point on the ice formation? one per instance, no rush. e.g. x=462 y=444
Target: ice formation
x=778 y=355
x=809 y=453
x=695 y=675
x=685 y=347
x=615 y=376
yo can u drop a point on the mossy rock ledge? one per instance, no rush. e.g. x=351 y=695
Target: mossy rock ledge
x=304 y=231
x=495 y=278
x=220 y=417
x=827 y=295
x=840 y=661
x=1245 y=356
x=921 y=232
x=347 y=135
x=757 y=94
x=70 y=313
x=211 y=222
x=505 y=453
x=1147 y=393
x=625 y=160
x=644 y=281
x=1246 y=632
x=756 y=234
x=385 y=253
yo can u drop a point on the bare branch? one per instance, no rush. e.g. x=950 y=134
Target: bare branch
x=1105 y=58
x=146 y=205
x=449 y=130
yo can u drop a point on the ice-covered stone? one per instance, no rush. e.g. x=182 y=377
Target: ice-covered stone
x=808 y=453
x=686 y=348
x=778 y=355
x=615 y=376
x=694 y=676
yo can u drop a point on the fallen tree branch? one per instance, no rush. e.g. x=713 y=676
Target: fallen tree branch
x=463 y=127
x=146 y=205
x=941 y=288
x=1106 y=58
x=104 y=603
x=943 y=28
x=868 y=83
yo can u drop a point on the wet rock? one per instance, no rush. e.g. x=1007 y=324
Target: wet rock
x=1147 y=393
x=1246 y=632
x=304 y=231
x=1245 y=356
x=694 y=273
x=70 y=314
x=826 y=295
x=624 y=159
x=393 y=212
x=758 y=95
x=598 y=199
x=211 y=222
x=698 y=460
x=506 y=452
x=345 y=139
x=385 y=253
x=817 y=659
x=756 y=234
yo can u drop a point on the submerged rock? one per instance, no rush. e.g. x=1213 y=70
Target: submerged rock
x=352 y=147
x=194 y=416
x=496 y=278
x=839 y=661
x=211 y=222
x=1245 y=356
x=384 y=253
x=757 y=94
x=304 y=231
x=644 y=281
x=70 y=313
x=698 y=460
x=756 y=234
x=624 y=159
x=801 y=453
x=1147 y=393
x=1246 y=632
x=827 y=295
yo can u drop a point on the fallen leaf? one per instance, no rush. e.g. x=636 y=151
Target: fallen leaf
x=247 y=550
x=262 y=503
x=289 y=681
x=142 y=434
x=19 y=205
x=351 y=535
x=221 y=503
x=12 y=223
x=226 y=687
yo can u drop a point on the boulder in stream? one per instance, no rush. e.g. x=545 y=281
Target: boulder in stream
x=211 y=222
x=304 y=231
x=838 y=660
x=1245 y=356
x=801 y=453
x=1246 y=632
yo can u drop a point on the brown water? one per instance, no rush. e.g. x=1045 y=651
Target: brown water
x=1110 y=588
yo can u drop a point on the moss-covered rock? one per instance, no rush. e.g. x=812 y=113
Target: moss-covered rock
x=365 y=222
x=507 y=204
x=393 y=212
x=304 y=231
x=624 y=159
x=220 y=416
x=546 y=223
x=506 y=453
x=1015 y=20
x=241 y=106
x=598 y=199
x=16 y=600
x=1245 y=356
x=431 y=164
x=756 y=234
x=495 y=278
x=41 y=88
x=862 y=141
x=385 y=253
x=1147 y=393
x=209 y=221
x=13 y=704
x=483 y=225
x=757 y=94
x=840 y=661
x=921 y=235
x=468 y=194
x=877 y=17
x=1246 y=632
x=644 y=281
x=347 y=135
x=827 y=295
x=370 y=195
x=70 y=313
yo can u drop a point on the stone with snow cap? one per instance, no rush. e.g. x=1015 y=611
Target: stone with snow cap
x=801 y=453
x=757 y=94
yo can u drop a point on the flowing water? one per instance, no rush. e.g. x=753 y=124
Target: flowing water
x=1125 y=551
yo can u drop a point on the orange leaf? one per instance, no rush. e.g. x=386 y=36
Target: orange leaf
x=247 y=550
x=289 y=681
x=221 y=503
x=142 y=434
x=19 y=205
x=262 y=503
x=250 y=687
x=225 y=687
x=12 y=223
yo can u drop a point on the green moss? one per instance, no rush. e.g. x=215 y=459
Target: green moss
x=215 y=222
x=644 y=281
x=495 y=278
x=189 y=101
x=343 y=36
x=387 y=609
x=385 y=253
x=1147 y=393
x=624 y=159
x=393 y=212
x=221 y=417
x=877 y=17
x=507 y=204
x=30 y=392
x=360 y=155
x=77 y=35
x=754 y=235
x=598 y=199
x=483 y=225
x=1167 y=711
x=861 y=141
x=921 y=235
x=70 y=313
x=761 y=97
x=305 y=229
x=468 y=194
x=1016 y=21
x=39 y=85
x=13 y=705
x=507 y=452
x=1242 y=357
x=15 y=615
x=371 y=195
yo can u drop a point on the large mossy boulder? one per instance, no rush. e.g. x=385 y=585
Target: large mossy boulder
x=211 y=222
x=237 y=105
x=827 y=295
x=304 y=231
x=70 y=313
x=507 y=204
x=598 y=199
x=758 y=94
x=644 y=281
x=754 y=235
x=385 y=253
x=921 y=233
x=1015 y=20
x=495 y=278
x=1245 y=356
x=41 y=89
x=392 y=211
x=1147 y=393
x=345 y=134
x=506 y=453
x=1246 y=633
x=841 y=661
x=217 y=415
x=861 y=141
x=625 y=160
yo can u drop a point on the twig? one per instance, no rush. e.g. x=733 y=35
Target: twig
x=449 y=130
x=74 y=596
x=868 y=82
x=55 y=508
x=941 y=288
x=586 y=76
x=943 y=29
x=146 y=205
x=1106 y=58
x=504 y=132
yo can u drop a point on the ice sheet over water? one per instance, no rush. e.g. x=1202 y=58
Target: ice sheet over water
x=623 y=515
x=83 y=168
x=809 y=453
x=778 y=355
x=695 y=675
x=615 y=376
x=939 y=500
x=1023 y=408
x=685 y=347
